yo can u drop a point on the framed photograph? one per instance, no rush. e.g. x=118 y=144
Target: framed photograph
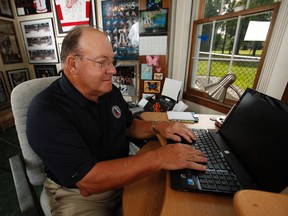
x=154 y=4
x=68 y=14
x=146 y=72
x=39 y=41
x=153 y=23
x=5 y=9
x=45 y=70
x=17 y=76
x=158 y=76
x=125 y=79
x=4 y=97
x=30 y=7
x=10 y=52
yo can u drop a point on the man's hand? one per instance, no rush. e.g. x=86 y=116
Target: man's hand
x=175 y=131
x=180 y=156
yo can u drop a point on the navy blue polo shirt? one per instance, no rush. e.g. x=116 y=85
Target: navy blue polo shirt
x=71 y=133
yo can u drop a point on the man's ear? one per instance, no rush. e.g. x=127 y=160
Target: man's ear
x=72 y=64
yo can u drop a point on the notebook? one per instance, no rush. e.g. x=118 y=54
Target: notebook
x=252 y=142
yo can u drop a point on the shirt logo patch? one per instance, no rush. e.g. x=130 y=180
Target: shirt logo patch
x=116 y=111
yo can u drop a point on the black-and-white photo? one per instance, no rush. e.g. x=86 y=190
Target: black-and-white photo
x=4 y=97
x=45 y=70
x=8 y=43
x=46 y=55
x=5 y=9
x=40 y=41
x=17 y=76
x=125 y=79
x=37 y=28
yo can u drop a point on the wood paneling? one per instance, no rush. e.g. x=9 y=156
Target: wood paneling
x=163 y=59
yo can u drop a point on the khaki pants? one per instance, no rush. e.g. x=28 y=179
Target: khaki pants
x=69 y=202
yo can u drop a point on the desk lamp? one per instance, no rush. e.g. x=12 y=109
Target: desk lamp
x=218 y=90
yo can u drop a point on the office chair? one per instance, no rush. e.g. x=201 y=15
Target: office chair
x=28 y=169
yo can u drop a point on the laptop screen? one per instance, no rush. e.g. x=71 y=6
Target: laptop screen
x=257 y=131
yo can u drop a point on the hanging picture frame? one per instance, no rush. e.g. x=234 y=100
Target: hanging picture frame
x=154 y=4
x=153 y=23
x=68 y=14
x=17 y=76
x=125 y=79
x=39 y=41
x=10 y=52
x=5 y=9
x=158 y=76
x=4 y=97
x=31 y=7
x=152 y=86
x=146 y=72
x=120 y=19
x=45 y=70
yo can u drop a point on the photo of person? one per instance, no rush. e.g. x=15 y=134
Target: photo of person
x=17 y=76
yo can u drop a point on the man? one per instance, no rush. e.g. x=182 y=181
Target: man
x=79 y=126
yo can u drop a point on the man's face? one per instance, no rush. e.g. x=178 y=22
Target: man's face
x=95 y=64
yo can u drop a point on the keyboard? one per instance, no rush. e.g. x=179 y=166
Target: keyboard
x=218 y=176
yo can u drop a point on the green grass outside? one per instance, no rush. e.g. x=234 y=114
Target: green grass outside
x=245 y=72
x=241 y=52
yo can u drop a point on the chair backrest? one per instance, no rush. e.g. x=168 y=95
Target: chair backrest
x=21 y=97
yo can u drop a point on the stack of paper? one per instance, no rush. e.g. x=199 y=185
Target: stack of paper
x=184 y=117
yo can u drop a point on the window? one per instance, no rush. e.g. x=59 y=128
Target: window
x=225 y=41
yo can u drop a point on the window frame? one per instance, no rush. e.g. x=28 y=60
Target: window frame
x=201 y=97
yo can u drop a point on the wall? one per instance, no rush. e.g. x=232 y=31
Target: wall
x=273 y=84
x=163 y=59
x=25 y=64
x=97 y=3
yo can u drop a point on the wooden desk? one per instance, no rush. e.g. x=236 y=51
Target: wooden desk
x=153 y=195
x=252 y=202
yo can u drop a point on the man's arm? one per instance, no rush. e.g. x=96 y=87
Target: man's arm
x=114 y=174
x=171 y=130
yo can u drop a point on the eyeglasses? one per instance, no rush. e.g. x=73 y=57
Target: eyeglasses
x=103 y=64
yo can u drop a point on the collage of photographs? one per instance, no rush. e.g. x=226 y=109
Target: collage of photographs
x=44 y=23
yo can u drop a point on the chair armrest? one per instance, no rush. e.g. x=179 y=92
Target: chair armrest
x=28 y=201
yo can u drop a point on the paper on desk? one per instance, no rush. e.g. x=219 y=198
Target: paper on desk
x=142 y=102
x=171 y=88
x=180 y=106
x=185 y=116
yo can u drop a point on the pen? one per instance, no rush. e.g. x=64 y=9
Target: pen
x=183 y=121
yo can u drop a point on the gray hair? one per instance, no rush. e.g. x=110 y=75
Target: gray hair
x=70 y=43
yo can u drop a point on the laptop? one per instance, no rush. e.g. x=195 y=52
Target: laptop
x=249 y=151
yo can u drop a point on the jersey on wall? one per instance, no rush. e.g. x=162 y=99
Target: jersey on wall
x=71 y=13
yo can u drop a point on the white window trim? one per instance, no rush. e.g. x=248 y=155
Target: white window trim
x=274 y=76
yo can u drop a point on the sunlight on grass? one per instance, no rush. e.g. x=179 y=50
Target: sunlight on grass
x=244 y=71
